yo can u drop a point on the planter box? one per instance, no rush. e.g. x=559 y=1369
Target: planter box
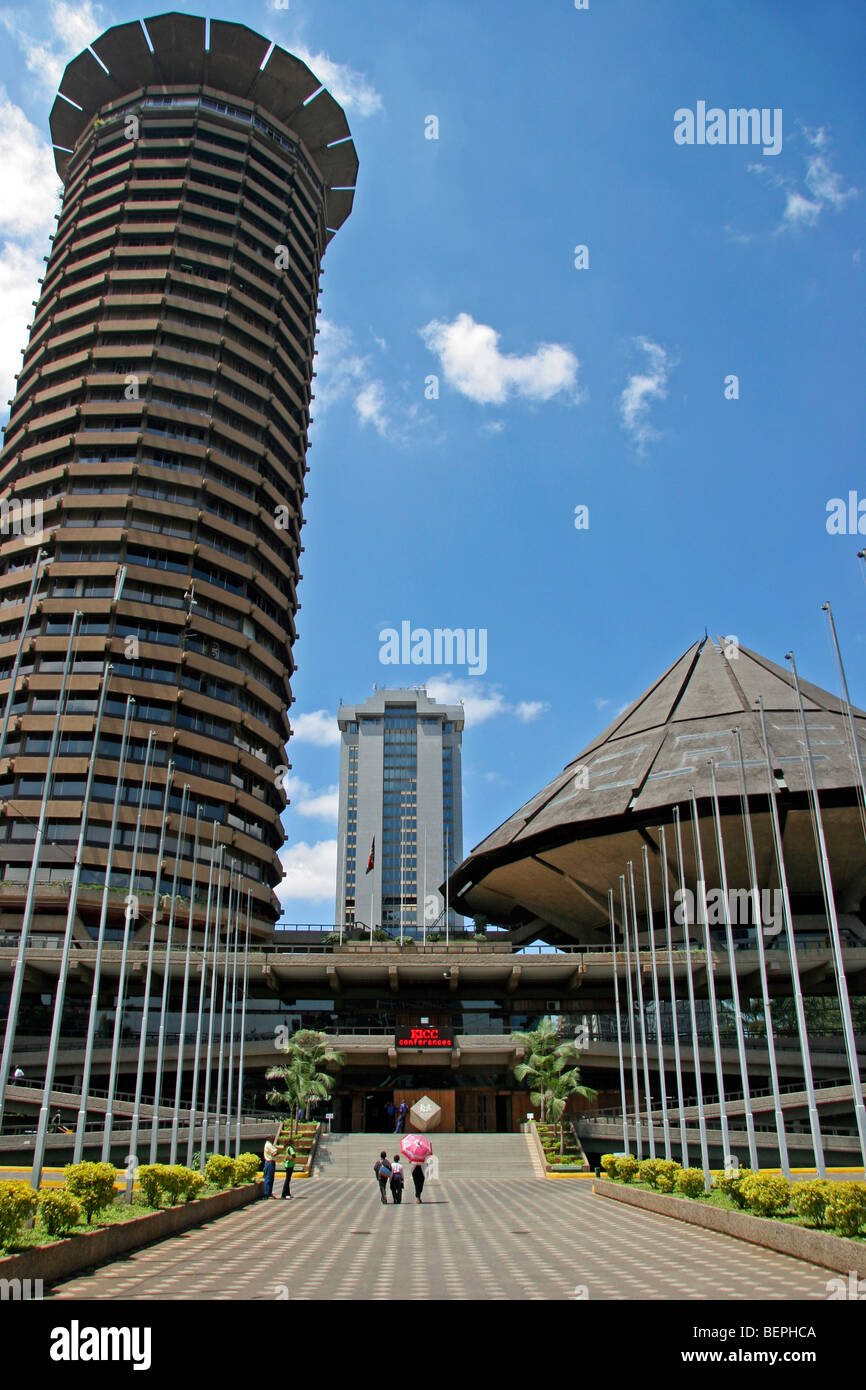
x=57 y=1261
x=818 y=1247
x=549 y=1168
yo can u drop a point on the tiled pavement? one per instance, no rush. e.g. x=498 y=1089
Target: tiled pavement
x=470 y=1239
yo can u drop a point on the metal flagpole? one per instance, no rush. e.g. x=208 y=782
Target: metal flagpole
x=655 y=975
x=166 y=976
x=735 y=984
x=635 y=1088
x=181 y=1041
x=402 y=833
x=644 y=1049
x=100 y=937
x=145 y=1008
x=232 y=1016
x=41 y=556
x=684 y=1143
x=447 y=898
x=699 y=1084
x=856 y=753
x=762 y=964
x=60 y=996
x=221 y=1058
x=30 y=902
x=833 y=921
x=243 y=1028
x=715 y=1022
x=618 y=1021
x=799 y=1009
x=424 y=894
x=129 y=914
x=190 y=1141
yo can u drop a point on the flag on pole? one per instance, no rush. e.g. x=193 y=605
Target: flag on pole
x=372 y=859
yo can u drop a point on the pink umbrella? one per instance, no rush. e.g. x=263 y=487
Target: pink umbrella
x=415 y=1147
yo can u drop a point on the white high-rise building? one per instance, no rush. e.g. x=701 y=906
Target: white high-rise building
x=400 y=811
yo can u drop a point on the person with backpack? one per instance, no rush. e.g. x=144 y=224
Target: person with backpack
x=290 y=1168
x=382 y=1169
x=397 y=1180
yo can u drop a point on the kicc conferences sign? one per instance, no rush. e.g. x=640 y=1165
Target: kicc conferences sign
x=425 y=1037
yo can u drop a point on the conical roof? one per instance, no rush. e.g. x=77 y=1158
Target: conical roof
x=660 y=748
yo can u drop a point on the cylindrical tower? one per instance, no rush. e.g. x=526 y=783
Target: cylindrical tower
x=159 y=432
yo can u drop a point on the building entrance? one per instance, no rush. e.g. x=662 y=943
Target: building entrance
x=376 y=1119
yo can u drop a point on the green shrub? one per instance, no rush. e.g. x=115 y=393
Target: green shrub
x=732 y=1185
x=172 y=1181
x=149 y=1183
x=626 y=1168
x=246 y=1167
x=220 y=1170
x=652 y=1169
x=607 y=1164
x=690 y=1181
x=809 y=1200
x=92 y=1184
x=193 y=1183
x=18 y=1203
x=667 y=1171
x=767 y=1194
x=846 y=1207
x=59 y=1211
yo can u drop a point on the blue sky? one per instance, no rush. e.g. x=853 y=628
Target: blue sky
x=557 y=387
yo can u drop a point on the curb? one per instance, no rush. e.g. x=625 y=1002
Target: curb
x=62 y=1258
x=818 y=1247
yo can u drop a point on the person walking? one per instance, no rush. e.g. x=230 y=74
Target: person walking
x=401 y=1118
x=397 y=1180
x=418 y=1179
x=290 y=1168
x=382 y=1169
x=270 y=1166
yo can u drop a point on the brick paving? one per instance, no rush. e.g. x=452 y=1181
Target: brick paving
x=470 y=1239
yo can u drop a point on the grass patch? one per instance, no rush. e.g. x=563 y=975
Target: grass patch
x=724 y=1203
x=118 y=1211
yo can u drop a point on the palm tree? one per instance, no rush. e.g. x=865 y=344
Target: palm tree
x=552 y=1073
x=305 y=1077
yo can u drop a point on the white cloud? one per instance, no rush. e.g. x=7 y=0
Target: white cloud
x=480 y=702
x=343 y=373
x=319 y=728
x=528 y=710
x=351 y=89
x=800 y=210
x=370 y=408
x=642 y=389
x=30 y=186
x=73 y=27
x=820 y=187
x=601 y=703
x=473 y=364
x=309 y=872
x=308 y=802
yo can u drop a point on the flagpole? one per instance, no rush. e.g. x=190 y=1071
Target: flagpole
x=735 y=984
x=833 y=921
x=100 y=937
x=221 y=1055
x=145 y=1008
x=618 y=1021
x=190 y=1139
x=243 y=1028
x=166 y=976
x=635 y=1088
x=41 y=556
x=211 y=1006
x=762 y=964
x=852 y=728
x=447 y=895
x=131 y=911
x=715 y=1021
x=72 y=908
x=424 y=894
x=699 y=1084
x=684 y=1143
x=639 y=976
x=799 y=1009
x=181 y=1041
x=30 y=901
x=659 y=1040
x=232 y=1017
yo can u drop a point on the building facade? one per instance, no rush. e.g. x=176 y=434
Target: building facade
x=159 y=429
x=400 y=827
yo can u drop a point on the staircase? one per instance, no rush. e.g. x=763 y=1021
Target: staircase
x=459 y=1156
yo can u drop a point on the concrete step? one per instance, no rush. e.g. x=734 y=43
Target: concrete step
x=457 y=1155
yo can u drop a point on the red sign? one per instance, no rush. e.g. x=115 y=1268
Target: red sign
x=425 y=1037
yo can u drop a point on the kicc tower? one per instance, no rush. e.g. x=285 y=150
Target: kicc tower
x=160 y=430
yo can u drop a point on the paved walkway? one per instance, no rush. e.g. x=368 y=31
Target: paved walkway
x=470 y=1239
